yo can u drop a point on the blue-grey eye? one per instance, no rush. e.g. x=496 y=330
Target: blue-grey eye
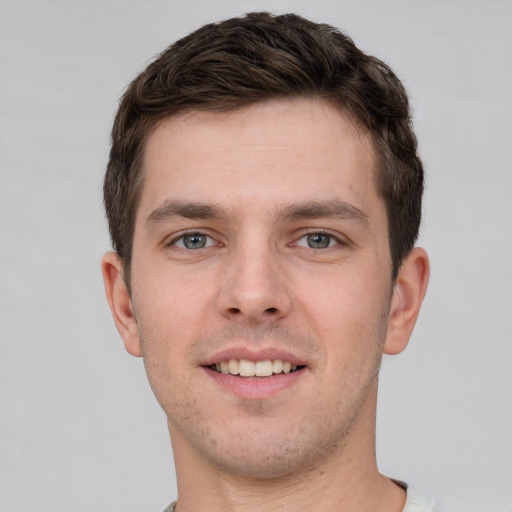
x=318 y=240
x=194 y=241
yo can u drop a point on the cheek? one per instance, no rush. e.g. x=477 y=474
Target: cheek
x=347 y=309
x=169 y=312
x=341 y=293
x=166 y=332
x=170 y=295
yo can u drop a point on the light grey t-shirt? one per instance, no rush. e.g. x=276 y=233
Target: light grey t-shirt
x=414 y=503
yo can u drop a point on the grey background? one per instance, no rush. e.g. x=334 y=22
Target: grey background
x=79 y=428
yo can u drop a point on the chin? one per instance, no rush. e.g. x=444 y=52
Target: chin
x=278 y=460
x=265 y=450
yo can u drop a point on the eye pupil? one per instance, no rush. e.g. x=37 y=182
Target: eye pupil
x=194 y=241
x=319 y=240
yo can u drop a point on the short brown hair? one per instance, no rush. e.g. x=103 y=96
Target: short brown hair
x=241 y=61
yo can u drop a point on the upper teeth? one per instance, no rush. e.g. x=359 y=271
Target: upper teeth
x=246 y=368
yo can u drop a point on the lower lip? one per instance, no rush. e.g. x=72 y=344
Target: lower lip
x=256 y=388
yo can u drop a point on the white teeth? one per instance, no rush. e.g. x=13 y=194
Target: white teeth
x=234 y=366
x=263 y=369
x=246 y=368
x=277 y=366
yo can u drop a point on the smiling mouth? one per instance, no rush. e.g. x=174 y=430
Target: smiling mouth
x=245 y=368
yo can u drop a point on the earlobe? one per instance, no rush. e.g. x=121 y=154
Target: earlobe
x=408 y=293
x=120 y=302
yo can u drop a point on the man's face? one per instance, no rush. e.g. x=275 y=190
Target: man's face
x=260 y=237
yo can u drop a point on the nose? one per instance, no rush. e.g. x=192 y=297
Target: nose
x=253 y=287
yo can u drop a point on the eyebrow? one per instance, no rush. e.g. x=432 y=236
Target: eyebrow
x=335 y=208
x=185 y=209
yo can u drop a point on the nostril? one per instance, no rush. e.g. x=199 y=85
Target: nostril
x=271 y=310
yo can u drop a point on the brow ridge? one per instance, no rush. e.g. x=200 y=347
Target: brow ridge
x=334 y=208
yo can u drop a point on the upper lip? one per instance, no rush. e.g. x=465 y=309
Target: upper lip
x=254 y=354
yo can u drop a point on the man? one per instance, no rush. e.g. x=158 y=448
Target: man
x=264 y=197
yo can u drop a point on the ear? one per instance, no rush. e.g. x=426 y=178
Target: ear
x=408 y=292
x=120 y=302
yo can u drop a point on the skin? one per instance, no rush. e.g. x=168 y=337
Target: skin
x=256 y=182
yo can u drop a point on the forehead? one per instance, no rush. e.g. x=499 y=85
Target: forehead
x=269 y=154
